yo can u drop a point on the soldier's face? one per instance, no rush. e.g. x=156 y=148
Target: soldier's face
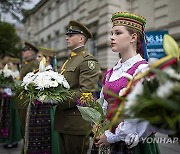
x=28 y=55
x=73 y=40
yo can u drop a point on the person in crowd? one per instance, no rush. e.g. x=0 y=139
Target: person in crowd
x=42 y=137
x=81 y=71
x=29 y=64
x=10 y=130
x=101 y=76
x=127 y=38
x=49 y=55
x=1 y=64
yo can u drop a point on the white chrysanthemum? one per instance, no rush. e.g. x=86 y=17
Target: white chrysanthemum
x=41 y=84
x=28 y=78
x=171 y=72
x=66 y=84
x=45 y=79
x=132 y=97
x=53 y=84
x=42 y=98
x=7 y=73
x=165 y=89
x=60 y=79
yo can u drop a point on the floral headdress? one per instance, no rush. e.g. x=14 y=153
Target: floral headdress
x=129 y=19
x=133 y=21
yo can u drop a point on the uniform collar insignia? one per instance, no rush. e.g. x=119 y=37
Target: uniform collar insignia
x=73 y=53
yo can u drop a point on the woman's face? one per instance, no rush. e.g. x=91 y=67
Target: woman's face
x=120 y=39
x=39 y=57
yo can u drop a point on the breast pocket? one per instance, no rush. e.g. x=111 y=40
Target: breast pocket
x=71 y=75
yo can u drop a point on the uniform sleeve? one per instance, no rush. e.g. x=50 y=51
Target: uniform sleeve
x=88 y=81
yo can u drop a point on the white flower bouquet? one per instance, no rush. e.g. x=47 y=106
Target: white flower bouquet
x=157 y=100
x=46 y=87
x=6 y=77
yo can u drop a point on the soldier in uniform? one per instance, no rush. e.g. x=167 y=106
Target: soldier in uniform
x=29 y=65
x=81 y=71
x=29 y=59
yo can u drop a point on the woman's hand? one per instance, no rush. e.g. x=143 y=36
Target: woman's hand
x=102 y=141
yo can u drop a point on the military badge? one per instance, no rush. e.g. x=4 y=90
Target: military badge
x=91 y=65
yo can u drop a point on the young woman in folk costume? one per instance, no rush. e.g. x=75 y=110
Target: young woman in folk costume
x=127 y=36
x=10 y=130
x=41 y=135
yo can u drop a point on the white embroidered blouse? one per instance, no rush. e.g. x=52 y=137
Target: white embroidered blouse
x=131 y=125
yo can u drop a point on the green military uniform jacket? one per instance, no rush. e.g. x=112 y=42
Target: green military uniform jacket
x=29 y=66
x=81 y=72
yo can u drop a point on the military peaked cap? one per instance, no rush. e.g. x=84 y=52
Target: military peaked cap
x=29 y=46
x=78 y=28
x=14 y=60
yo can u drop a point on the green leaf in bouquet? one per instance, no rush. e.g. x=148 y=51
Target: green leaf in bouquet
x=176 y=67
x=98 y=107
x=169 y=104
x=90 y=114
x=114 y=95
x=150 y=87
x=162 y=75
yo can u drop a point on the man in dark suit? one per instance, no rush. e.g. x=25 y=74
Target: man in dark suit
x=81 y=71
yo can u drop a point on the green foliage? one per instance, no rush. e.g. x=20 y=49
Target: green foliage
x=92 y=111
x=9 y=40
x=6 y=81
x=90 y=114
x=53 y=95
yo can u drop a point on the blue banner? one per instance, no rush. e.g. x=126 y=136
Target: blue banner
x=155 y=44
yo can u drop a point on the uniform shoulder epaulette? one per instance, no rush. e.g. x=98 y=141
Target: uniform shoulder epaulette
x=35 y=71
x=85 y=54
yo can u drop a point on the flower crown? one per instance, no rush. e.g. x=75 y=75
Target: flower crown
x=129 y=19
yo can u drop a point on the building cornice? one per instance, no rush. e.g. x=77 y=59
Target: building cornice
x=37 y=6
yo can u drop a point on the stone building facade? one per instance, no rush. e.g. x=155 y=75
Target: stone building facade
x=47 y=22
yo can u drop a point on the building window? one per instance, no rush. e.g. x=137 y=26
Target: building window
x=49 y=41
x=67 y=5
x=42 y=20
x=42 y=42
x=49 y=15
x=57 y=9
x=56 y=41
x=92 y=48
x=37 y=23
